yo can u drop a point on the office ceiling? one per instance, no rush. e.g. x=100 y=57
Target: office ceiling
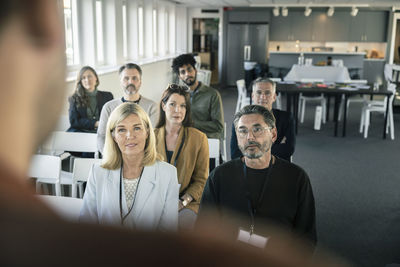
x=288 y=3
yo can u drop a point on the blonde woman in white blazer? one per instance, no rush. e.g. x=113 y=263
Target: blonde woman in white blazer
x=131 y=187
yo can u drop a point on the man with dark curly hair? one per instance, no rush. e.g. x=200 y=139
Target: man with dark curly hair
x=207 y=110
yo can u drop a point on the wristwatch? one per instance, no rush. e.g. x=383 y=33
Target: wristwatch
x=185 y=202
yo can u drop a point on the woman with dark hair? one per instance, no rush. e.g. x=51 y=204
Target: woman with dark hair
x=184 y=147
x=86 y=102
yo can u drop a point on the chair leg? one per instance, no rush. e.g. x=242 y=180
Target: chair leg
x=391 y=123
x=81 y=190
x=323 y=103
x=74 y=190
x=303 y=108
x=362 y=119
x=38 y=187
x=58 y=189
x=366 y=123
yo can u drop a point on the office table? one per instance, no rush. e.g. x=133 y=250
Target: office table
x=293 y=91
x=327 y=73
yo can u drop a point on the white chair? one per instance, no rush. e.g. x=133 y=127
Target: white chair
x=47 y=170
x=337 y=62
x=59 y=142
x=278 y=101
x=223 y=149
x=303 y=99
x=353 y=99
x=378 y=106
x=242 y=100
x=80 y=174
x=75 y=142
x=204 y=76
x=66 y=207
x=63 y=123
x=213 y=149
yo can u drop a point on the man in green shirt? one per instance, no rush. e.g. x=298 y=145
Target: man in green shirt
x=206 y=103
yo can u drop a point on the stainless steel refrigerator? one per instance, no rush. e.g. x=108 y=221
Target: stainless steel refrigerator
x=247 y=42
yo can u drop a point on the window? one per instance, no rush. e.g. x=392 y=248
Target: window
x=166 y=32
x=155 y=31
x=99 y=32
x=140 y=30
x=124 y=31
x=71 y=32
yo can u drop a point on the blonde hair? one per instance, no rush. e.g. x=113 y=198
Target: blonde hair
x=112 y=156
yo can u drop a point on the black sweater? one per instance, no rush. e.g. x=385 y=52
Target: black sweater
x=288 y=199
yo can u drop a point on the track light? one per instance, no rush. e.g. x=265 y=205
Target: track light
x=330 y=12
x=275 y=11
x=354 y=11
x=285 y=11
x=307 y=11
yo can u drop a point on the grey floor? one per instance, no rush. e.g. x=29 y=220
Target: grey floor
x=356 y=184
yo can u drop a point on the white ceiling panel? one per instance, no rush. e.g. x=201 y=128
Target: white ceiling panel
x=246 y=3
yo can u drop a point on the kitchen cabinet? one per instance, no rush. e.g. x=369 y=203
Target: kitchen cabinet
x=318 y=27
x=281 y=29
x=291 y=28
x=337 y=27
x=368 y=26
x=301 y=26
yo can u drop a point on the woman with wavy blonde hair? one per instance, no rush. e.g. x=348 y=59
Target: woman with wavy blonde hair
x=131 y=187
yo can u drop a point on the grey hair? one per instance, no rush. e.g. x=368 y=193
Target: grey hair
x=267 y=115
x=264 y=80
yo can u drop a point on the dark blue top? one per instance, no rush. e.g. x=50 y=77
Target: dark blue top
x=78 y=116
x=285 y=128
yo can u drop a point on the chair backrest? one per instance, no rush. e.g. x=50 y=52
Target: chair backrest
x=213 y=149
x=198 y=62
x=337 y=62
x=63 y=123
x=74 y=142
x=240 y=84
x=45 y=166
x=68 y=208
x=204 y=76
x=81 y=168
x=311 y=80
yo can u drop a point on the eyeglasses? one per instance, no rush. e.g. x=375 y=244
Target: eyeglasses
x=257 y=131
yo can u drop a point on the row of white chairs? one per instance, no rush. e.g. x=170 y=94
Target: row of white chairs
x=47 y=168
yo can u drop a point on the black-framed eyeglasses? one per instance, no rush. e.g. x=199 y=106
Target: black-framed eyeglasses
x=256 y=130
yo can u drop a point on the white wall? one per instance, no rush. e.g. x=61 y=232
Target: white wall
x=156 y=76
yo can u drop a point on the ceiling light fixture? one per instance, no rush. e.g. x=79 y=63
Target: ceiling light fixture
x=354 y=11
x=285 y=11
x=307 y=11
x=275 y=11
x=330 y=12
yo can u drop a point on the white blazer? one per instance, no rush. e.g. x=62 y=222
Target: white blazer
x=155 y=207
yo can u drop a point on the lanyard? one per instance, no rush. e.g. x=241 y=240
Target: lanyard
x=253 y=210
x=136 y=102
x=120 y=196
x=179 y=149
